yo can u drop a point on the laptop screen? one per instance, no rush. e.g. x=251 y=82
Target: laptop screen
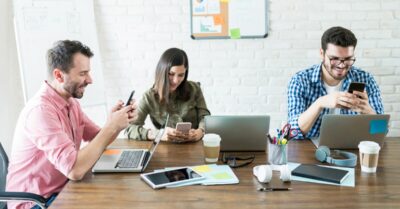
x=239 y=132
x=155 y=143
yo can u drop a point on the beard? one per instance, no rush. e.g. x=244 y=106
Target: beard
x=76 y=90
x=330 y=70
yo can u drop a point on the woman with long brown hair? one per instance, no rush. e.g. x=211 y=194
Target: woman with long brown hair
x=171 y=94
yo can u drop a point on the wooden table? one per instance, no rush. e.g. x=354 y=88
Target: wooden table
x=127 y=190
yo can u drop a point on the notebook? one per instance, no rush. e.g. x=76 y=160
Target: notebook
x=127 y=160
x=346 y=131
x=239 y=133
x=321 y=173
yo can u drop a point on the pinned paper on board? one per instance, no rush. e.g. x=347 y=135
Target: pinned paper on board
x=378 y=126
x=218 y=20
x=206 y=24
x=234 y=19
x=235 y=33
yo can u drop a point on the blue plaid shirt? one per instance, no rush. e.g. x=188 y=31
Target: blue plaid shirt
x=307 y=86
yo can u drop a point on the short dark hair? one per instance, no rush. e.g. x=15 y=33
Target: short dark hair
x=170 y=58
x=60 y=56
x=338 y=36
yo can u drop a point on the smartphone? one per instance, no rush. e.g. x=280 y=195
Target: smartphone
x=184 y=127
x=356 y=86
x=130 y=98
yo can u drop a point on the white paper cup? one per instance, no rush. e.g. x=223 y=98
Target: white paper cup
x=211 y=144
x=369 y=154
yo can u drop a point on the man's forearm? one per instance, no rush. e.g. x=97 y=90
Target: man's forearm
x=308 y=117
x=89 y=154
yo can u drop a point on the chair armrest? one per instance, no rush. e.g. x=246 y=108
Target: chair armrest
x=23 y=196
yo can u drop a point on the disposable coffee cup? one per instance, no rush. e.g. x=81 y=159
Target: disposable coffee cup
x=211 y=144
x=369 y=154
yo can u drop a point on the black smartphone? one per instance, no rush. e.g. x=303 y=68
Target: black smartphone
x=356 y=86
x=130 y=98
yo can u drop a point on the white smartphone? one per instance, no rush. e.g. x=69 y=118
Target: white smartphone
x=164 y=178
x=184 y=127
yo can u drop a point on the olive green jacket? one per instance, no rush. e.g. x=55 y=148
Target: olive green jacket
x=192 y=110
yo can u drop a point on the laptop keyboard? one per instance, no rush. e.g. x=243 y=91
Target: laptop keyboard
x=129 y=159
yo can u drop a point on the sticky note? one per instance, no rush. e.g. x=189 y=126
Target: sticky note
x=378 y=127
x=235 y=33
x=218 y=20
x=112 y=152
x=202 y=168
x=223 y=175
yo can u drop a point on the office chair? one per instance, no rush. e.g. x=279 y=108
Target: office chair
x=14 y=196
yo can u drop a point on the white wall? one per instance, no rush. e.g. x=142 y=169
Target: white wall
x=10 y=85
x=238 y=76
x=247 y=76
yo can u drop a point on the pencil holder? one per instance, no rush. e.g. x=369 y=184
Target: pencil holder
x=277 y=154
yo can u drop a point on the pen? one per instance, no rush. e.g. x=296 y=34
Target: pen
x=271 y=189
x=269 y=138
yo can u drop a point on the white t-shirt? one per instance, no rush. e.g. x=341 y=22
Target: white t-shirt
x=332 y=89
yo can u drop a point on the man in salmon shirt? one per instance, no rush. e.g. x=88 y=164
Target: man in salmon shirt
x=45 y=152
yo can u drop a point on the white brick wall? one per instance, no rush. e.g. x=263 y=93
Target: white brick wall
x=247 y=76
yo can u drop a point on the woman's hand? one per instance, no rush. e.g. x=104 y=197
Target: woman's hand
x=196 y=134
x=176 y=136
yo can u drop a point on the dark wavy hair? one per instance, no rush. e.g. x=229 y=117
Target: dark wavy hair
x=61 y=55
x=170 y=58
x=338 y=36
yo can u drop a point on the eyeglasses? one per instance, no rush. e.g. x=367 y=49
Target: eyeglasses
x=337 y=61
x=232 y=161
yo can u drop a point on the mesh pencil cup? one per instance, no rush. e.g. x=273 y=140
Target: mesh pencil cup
x=277 y=154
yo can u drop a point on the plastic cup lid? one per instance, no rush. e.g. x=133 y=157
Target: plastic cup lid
x=211 y=139
x=369 y=147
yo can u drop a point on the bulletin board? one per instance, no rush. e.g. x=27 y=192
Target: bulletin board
x=228 y=19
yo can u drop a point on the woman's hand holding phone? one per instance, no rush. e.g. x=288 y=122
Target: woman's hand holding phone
x=183 y=133
x=174 y=135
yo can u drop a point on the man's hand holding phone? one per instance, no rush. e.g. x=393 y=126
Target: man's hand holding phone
x=132 y=114
x=362 y=105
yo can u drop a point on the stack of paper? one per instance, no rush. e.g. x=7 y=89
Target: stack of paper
x=215 y=175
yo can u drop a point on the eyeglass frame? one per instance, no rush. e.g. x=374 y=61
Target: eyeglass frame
x=338 y=59
x=228 y=159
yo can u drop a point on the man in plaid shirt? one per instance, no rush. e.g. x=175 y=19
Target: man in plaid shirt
x=322 y=89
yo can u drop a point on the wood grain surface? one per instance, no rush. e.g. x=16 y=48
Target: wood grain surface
x=127 y=190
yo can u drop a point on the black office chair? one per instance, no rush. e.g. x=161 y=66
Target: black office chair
x=14 y=196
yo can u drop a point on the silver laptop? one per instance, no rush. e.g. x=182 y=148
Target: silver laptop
x=346 y=131
x=127 y=160
x=239 y=133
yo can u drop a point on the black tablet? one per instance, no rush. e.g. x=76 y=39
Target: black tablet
x=164 y=178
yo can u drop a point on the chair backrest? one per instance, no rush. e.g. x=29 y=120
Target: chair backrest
x=3 y=168
x=3 y=173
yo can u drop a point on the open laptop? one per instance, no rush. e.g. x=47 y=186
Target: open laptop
x=127 y=160
x=346 y=131
x=239 y=133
